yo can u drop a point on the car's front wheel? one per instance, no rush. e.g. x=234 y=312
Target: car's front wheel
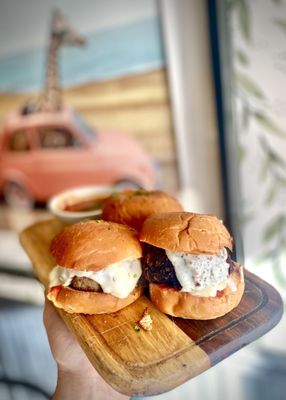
x=17 y=196
x=127 y=184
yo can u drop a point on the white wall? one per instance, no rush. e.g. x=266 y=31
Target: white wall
x=185 y=24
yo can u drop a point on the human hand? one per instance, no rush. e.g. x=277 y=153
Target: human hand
x=76 y=376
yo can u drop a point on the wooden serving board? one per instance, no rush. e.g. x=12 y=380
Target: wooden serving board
x=175 y=350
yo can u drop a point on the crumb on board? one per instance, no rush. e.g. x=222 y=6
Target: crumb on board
x=145 y=321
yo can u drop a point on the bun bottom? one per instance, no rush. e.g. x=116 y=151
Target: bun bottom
x=185 y=305
x=78 y=301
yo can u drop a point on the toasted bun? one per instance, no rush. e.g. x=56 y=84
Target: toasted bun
x=186 y=232
x=185 y=305
x=133 y=207
x=77 y=301
x=92 y=245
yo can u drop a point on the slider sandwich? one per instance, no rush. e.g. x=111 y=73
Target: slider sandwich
x=132 y=207
x=187 y=263
x=98 y=268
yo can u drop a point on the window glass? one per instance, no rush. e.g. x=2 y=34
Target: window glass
x=19 y=141
x=84 y=127
x=56 y=138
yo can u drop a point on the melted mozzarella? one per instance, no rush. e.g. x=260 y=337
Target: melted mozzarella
x=201 y=274
x=118 y=279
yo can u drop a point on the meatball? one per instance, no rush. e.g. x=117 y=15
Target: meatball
x=85 y=284
x=157 y=268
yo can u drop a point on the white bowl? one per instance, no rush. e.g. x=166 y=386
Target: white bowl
x=57 y=203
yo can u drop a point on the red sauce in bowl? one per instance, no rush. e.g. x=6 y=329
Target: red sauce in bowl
x=92 y=204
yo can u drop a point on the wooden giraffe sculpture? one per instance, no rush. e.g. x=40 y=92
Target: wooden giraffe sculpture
x=61 y=34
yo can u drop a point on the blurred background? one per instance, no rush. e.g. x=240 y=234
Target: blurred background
x=198 y=88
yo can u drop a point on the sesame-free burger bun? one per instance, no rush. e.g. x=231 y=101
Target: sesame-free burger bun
x=186 y=232
x=132 y=207
x=76 y=301
x=93 y=245
x=185 y=305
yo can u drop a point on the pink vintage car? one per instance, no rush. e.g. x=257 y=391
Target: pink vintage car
x=44 y=153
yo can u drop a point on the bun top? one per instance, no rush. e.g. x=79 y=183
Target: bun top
x=93 y=245
x=132 y=207
x=186 y=232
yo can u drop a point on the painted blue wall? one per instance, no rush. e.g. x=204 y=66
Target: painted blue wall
x=109 y=53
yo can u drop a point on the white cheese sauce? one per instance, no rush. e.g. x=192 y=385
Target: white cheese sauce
x=201 y=274
x=118 y=279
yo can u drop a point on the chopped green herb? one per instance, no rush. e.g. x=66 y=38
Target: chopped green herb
x=134 y=275
x=136 y=328
x=114 y=194
x=140 y=192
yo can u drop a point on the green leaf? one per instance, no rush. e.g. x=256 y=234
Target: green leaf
x=241 y=153
x=278 y=271
x=245 y=117
x=270 y=197
x=244 y=19
x=266 y=256
x=268 y=124
x=231 y=4
x=279 y=274
x=264 y=169
x=281 y=23
x=246 y=217
x=248 y=85
x=281 y=180
x=272 y=155
x=273 y=229
x=241 y=57
x=275 y=158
